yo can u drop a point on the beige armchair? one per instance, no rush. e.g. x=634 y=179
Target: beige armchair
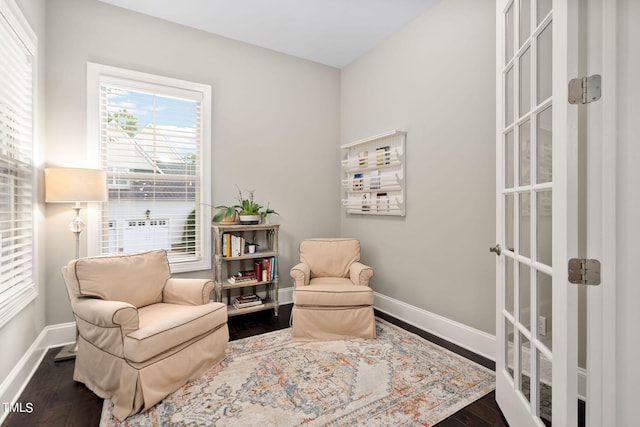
x=332 y=299
x=142 y=334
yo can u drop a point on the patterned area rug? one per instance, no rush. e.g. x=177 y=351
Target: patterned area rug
x=397 y=379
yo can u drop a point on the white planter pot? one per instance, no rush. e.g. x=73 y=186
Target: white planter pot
x=249 y=219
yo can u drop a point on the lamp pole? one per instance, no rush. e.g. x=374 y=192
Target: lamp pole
x=77 y=226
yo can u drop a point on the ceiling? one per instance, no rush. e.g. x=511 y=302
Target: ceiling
x=331 y=32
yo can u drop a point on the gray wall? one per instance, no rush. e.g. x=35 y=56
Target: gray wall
x=20 y=332
x=435 y=80
x=275 y=120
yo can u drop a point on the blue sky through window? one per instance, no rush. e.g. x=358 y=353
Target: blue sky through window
x=153 y=108
x=175 y=119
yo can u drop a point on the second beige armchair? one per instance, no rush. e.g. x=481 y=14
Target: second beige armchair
x=332 y=298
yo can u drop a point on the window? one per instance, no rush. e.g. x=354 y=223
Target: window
x=17 y=76
x=151 y=136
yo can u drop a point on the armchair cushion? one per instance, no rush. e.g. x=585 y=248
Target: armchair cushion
x=137 y=279
x=329 y=257
x=332 y=292
x=164 y=326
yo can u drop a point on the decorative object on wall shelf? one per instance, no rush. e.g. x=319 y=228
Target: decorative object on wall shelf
x=249 y=212
x=373 y=175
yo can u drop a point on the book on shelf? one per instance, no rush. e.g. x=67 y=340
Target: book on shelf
x=257 y=266
x=249 y=304
x=244 y=277
x=265 y=269
x=245 y=273
x=232 y=245
x=250 y=300
x=234 y=280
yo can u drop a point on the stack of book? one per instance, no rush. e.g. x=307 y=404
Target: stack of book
x=249 y=300
x=244 y=277
x=232 y=245
x=265 y=269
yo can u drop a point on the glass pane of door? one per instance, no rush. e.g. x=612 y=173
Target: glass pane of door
x=524 y=85
x=524 y=21
x=524 y=153
x=543 y=65
x=543 y=227
x=543 y=147
x=545 y=306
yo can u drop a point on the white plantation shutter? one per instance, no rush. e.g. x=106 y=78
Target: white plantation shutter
x=17 y=44
x=152 y=146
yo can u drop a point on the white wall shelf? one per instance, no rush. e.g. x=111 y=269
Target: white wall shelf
x=373 y=175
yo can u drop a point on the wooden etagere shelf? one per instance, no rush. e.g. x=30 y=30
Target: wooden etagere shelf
x=231 y=257
x=373 y=175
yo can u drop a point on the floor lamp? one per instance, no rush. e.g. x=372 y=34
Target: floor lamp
x=74 y=185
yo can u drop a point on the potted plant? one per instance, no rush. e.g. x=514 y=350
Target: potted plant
x=249 y=211
x=225 y=215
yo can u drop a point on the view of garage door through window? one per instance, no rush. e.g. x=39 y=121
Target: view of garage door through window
x=150 y=145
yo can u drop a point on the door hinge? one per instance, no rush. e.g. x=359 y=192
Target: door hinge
x=584 y=271
x=584 y=90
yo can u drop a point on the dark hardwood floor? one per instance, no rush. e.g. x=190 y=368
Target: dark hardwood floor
x=59 y=401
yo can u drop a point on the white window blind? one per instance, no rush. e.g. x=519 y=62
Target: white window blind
x=152 y=146
x=17 y=44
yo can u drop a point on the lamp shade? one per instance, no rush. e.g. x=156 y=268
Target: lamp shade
x=65 y=185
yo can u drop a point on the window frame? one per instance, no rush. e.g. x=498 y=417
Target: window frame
x=98 y=73
x=15 y=299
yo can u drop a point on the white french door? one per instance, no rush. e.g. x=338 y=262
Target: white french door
x=537 y=221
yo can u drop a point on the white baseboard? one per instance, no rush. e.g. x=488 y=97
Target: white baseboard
x=472 y=339
x=60 y=334
x=285 y=295
x=14 y=384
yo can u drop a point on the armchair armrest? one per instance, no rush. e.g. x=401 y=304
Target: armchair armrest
x=301 y=274
x=360 y=273
x=187 y=291
x=107 y=314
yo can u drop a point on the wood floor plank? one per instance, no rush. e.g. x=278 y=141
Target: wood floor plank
x=487 y=409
